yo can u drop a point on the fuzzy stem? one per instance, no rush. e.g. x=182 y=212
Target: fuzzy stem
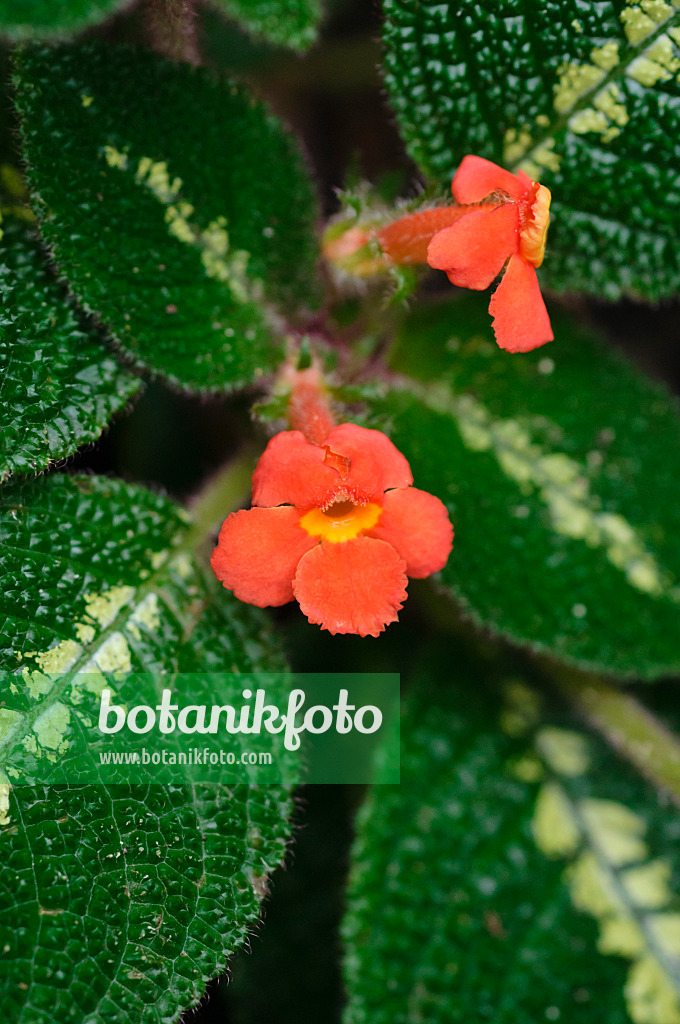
x=223 y=493
x=171 y=25
x=309 y=406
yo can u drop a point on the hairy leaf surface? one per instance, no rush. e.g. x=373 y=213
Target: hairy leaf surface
x=119 y=902
x=560 y=472
x=176 y=207
x=584 y=97
x=517 y=873
x=60 y=387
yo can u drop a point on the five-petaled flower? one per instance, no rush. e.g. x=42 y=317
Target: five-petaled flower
x=509 y=224
x=336 y=525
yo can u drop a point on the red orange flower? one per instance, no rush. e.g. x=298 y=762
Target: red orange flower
x=510 y=227
x=335 y=525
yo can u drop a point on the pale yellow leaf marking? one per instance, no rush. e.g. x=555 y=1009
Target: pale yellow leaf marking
x=606 y=57
x=586 y=97
x=44 y=675
x=648 y=885
x=620 y=936
x=146 y=616
x=590 y=885
x=566 y=752
x=639 y=20
x=658 y=64
x=589 y=120
x=610 y=101
x=575 y=80
x=219 y=260
x=527 y=768
x=650 y=995
x=616 y=830
x=9 y=722
x=182 y=564
x=607 y=880
x=112 y=657
x=607 y=115
x=521 y=708
x=59 y=658
x=5 y=790
x=51 y=728
x=554 y=829
x=562 y=485
x=115 y=158
x=101 y=610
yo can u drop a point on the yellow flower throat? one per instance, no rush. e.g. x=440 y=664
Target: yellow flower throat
x=341 y=521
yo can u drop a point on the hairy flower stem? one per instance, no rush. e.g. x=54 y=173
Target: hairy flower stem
x=171 y=25
x=222 y=494
x=309 y=411
x=627 y=725
x=309 y=405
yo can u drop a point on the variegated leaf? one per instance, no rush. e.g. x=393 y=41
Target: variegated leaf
x=583 y=96
x=176 y=207
x=560 y=470
x=118 y=902
x=520 y=871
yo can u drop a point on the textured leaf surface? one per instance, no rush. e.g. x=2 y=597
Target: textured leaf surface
x=120 y=902
x=27 y=19
x=60 y=386
x=584 y=97
x=291 y=23
x=519 y=873
x=560 y=473
x=177 y=209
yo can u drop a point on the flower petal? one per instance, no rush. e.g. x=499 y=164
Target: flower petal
x=406 y=240
x=473 y=251
x=292 y=470
x=355 y=587
x=374 y=462
x=521 y=320
x=477 y=178
x=353 y=461
x=258 y=552
x=418 y=527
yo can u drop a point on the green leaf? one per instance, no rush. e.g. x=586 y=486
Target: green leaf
x=293 y=23
x=100 y=573
x=60 y=386
x=584 y=97
x=177 y=209
x=120 y=902
x=30 y=19
x=560 y=469
x=516 y=874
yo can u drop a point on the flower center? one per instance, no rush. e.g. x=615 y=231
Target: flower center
x=343 y=520
x=534 y=233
